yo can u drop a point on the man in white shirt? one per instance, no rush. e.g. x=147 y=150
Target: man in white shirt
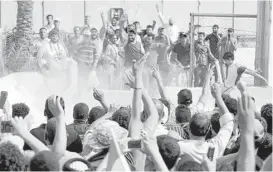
x=50 y=23
x=43 y=37
x=199 y=126
x=171 y=28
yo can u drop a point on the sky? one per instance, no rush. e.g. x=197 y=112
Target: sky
x=71 y=12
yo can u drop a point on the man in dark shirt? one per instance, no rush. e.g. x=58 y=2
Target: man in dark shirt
x=213 y=40
x=203 y=57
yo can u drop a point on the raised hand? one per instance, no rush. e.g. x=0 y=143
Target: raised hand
x=138 y=65
x=157 y=8
x=246 y=111
x=20 y=126
x=55 y=107
x=98 y=95
x=216 y=90
x=156 y=73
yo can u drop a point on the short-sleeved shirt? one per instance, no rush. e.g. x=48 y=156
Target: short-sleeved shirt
x=232 y=74
x=162 y=51
x=183 y=53
x=86 y=53
x=133 y=51
x=201 y=51
x=213 y=41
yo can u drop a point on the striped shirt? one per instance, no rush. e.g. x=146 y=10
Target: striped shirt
x=87 y=54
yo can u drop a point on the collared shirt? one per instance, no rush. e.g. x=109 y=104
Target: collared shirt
x=98 y=44
x=227 y=45
x=213 y=41
x=73 y=43
x=183 y=53
x=62 y=35
x=201 y=51
x=40 y=43
x=196 y=149
x=162 y=50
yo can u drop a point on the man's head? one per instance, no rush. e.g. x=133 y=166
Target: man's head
x=182 y=114
x=131 y=27
x=95 y=113
x=94 y=33
x=266 y=113
x=201 y=36
x=184 y=97
x=183 y=37
x=54 y=36
x=77 y=30
x=161 y=31
x=122 y=117
x=49 y=19
x=171 y=22
x=190 y=166
x=215 y=123
x=114 y=21
x=149 y=29
x=57 y=23
x=150 y=39
x=114 y=39
x=80 y=111
x=231 y=104
x=199 y=125
x=20 y=110
x=228 y=58
x=48 y=113
x=137 y=25
x=44 y=161
x=169 y=150
x=11 y=157
x=132 y=35
x=87 y=20
x=86 y=35
x=43 y=33
x=215 y=28
x=230 y=32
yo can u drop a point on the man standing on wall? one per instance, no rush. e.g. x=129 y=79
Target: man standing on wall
x=50 y=23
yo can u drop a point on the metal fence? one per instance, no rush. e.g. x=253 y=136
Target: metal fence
x=244 y=27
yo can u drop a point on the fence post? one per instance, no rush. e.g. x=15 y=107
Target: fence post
x=192 y=56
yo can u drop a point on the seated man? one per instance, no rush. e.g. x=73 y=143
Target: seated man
x=55 y=65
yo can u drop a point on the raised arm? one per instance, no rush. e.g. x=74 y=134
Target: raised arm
x=104 y=28
x=60 y=139
x=246 y=158
x=99 y=96
x=161 y=88
x=161 y=17
x=255 y=74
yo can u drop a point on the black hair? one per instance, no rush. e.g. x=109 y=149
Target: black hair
x=122 y=117
x=190 y=166
x=169 y=150
x=182 y=114
x=20 y=110
x=149 y=26
x=215 y=123
x=11 y=158
x=228 y=55
x=201 y=33
x=80 y=111
x=95 y=113
x=199 y=125
x=47 y=112
x=49 y=15
x=216 y=26
x=132 y=31
x=44 y=161
x=43 y=28
x=266 y=113
x=231 y=104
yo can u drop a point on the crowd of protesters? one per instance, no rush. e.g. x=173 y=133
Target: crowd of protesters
x=234 y=136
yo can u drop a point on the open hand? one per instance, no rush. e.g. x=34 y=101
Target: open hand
x=20 y=126
x=156 y=73
x=98 y=95
x=246 y=111
x=55 y=107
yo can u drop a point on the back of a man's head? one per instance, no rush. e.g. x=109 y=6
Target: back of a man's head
x=215 y=123
x=169 y=150
x=47 y=112
x=182 y=114
x=184 y=97
x=95 y=113
x=266 y=113
x=80 y=111
x=11 y=158
x=122 y=116
x=44 y=161
x=20 y=110
x=231 y=104
x=199 y=125
x=190 y=166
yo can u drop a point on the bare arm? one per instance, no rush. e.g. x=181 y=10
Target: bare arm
x=161 y=18
x=99 y=96
x=255 y=74
x=206 y=87
x=103 y=30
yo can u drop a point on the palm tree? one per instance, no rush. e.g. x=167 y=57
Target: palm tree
x=18 y=54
